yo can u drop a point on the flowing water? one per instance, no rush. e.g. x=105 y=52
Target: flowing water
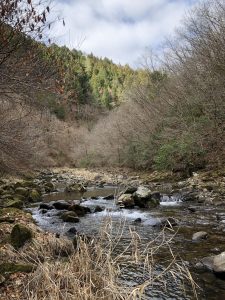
x=204 y=219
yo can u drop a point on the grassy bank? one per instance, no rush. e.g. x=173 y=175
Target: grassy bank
x=55 y=268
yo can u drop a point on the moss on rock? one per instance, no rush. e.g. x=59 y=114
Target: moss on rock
x=20 y=235
x=22 y=191
x=70 y=216
x=34 y=196
x=10 y=268
x=15 y=203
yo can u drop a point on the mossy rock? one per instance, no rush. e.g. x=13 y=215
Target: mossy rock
x=6 y=196
x=28 y=184
x=20 y=235
x=20 y=197
x=49 y=187
x=34 y=196
x=70 y=216
x=76 y=188
x=16 y=203
x=78 y=209
x=10 y=268
x=22 y=191
x=153 y=203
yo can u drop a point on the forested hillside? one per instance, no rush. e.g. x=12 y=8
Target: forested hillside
x=172 y=118
x=81 y=81
x=92 y=112
x=87 y=79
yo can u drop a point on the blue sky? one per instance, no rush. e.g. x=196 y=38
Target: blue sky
x=121 y=30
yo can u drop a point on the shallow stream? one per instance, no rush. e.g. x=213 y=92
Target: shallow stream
x=204 y=219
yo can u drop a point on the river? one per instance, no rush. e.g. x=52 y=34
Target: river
x=204 y=219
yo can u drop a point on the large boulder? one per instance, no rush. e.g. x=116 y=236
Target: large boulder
x=198 y=236
x=20 y=234
x=169 y=222
x=70 y=216
x=156 y=196
x=15 y=203
x=143 y=198
x=22 y=191
x=126 y=201
x=78 y=209
x=45 y=206
x=61 y=205
x=206 y=263
x=218 y=265
x=34 y=196
x=130 y=190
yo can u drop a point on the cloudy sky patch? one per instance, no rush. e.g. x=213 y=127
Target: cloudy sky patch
x=118 y=29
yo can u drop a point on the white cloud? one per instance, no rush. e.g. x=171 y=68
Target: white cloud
x=118 y=29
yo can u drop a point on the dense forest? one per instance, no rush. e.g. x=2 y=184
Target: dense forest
x=67 y=107
x=85 y=82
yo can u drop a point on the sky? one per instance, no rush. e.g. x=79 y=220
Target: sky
x=121 y=30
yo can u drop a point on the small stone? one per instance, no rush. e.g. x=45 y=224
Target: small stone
x=2 y=279
x=72 y=230
x=168 y=222
x=192 y=209
x=201 y=235
x=138 y=220
x=98 y=209
x=109 y=197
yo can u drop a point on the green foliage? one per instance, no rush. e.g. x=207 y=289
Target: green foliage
x=86 y=79
x=183 y=154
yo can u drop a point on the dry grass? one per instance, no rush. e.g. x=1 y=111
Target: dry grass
x=96 y=269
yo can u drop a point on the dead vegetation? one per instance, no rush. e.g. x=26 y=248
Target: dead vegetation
x=173 y=117
x=94 y=267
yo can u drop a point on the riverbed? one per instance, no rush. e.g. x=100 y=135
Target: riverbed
x=144 y=223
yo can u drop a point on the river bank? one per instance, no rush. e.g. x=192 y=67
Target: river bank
x=186 y=207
